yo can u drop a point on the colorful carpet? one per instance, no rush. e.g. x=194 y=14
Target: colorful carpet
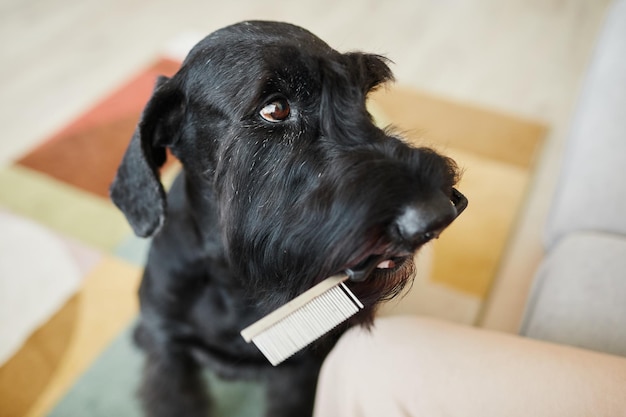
x=58 y=193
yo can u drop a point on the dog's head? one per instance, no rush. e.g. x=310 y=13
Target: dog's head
x=278 y=148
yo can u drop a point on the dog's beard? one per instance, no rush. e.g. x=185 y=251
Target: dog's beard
x=298 y=270
x=382 y=285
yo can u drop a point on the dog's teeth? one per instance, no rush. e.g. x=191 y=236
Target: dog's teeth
x=386 y=264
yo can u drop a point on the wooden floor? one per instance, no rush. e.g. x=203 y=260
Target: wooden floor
x=520 y=57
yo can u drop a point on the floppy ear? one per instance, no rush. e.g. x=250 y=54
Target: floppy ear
x=373 y=69
x=137 y=189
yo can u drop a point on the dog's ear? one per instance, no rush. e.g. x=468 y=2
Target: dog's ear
x=373 y=69
x=137 y=189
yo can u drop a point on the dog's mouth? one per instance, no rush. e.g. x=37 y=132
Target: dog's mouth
x=390 y=263
x=383 y=262
x=386 y=257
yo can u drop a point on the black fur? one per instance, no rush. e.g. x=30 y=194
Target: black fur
x=264 y=210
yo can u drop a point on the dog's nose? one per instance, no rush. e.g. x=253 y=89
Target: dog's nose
x=425 y=220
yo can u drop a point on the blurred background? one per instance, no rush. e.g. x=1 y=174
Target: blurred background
x=67 y=65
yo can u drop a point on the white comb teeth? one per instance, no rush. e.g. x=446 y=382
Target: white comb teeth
x=304 y=319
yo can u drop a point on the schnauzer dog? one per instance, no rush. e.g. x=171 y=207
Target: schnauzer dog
x=286 y=180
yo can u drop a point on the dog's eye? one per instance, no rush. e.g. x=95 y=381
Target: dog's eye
x=276 y=110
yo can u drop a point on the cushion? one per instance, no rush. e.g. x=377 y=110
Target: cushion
x=579 y=294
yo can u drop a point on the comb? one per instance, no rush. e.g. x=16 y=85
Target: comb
x=304 y=319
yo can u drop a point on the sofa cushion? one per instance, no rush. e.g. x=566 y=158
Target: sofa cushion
x=579 y=294
x=592 y=190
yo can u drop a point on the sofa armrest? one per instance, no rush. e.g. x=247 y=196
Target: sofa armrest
x=591 y=194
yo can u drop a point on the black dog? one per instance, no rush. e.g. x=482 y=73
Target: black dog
x=286 y=181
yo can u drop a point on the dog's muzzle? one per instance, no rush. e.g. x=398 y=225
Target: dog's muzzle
x=417 y=225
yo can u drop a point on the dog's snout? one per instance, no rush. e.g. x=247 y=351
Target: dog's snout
x=421 y=222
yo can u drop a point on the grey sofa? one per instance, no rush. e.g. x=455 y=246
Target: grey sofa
x=579 y=293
